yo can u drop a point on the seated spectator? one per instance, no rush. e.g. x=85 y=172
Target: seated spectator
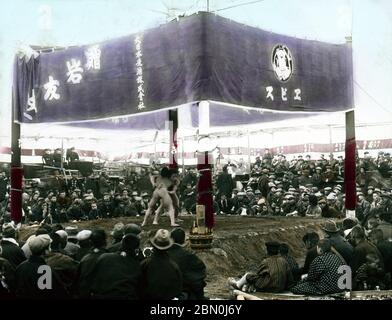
x=71 y=248
x=385 y=226
x=94 y=213
x=27 y=275
x=10 y=247
x=371 y=275
x=84 y=280
x=123 y=280
x=130 y=228
x=310 y=239
x=117 y=234
x=343 y=248
x=284 y=252
x=224 y=204
x=192 y=268
x=313 y=209
x=161 y=276
x=362 y=248
x=84 y=243
x=323 y=275
x=385 y=247
x=272 y=275
x=63 y=265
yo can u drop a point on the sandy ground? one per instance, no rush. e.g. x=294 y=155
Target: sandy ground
x=238 y=243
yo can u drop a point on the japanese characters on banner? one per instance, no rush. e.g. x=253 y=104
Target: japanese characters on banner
x=200 y=57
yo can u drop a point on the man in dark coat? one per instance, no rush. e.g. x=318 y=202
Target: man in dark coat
x=10 y=247
x=272 y=275
x=27 y=275
x=362 y=248
x=64 y=266
x=84 y=279
x=340 y=244
x=376 y=237
x=323 y=275
x=130 y=228
x=224 y=183
x=161 y=276
x=192 y=268
x=123 y=280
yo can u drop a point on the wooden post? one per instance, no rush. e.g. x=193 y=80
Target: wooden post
x=204 y=167
x=173 y=125
x=350 y=165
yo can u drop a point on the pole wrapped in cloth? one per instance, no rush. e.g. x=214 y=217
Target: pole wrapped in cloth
x=349 y=163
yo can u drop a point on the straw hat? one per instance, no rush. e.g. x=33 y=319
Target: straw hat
x=162 y=240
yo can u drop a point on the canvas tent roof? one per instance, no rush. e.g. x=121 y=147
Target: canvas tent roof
x=200 y=57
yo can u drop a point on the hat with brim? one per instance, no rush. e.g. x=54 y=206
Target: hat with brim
x=330 y=226
x=257 y=191
x=72 y=232
x=162 y=240
x=144 y=194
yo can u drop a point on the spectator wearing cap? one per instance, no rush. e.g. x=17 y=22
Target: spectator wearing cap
x=84 y=243
x=323 y=276
x=72 y=248
x=161 y=276
x=339 y=243
x=192 y=268
x=27 y=275
x=10 y=247
x=327 y=211
x=106 y=205
x=87 y=264
x=369 y=194
x=63 y=265
x=241 y=203
x=130 y=228
x=123 y=282
x=117 y=235
x=272 y=275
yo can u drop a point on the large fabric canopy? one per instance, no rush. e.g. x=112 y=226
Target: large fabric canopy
x=200 y=57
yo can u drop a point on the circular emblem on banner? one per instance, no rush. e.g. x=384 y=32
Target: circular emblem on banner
x=282 y=62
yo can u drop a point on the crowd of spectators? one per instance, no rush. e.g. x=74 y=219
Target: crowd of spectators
x=81 y=264
x=347 y=257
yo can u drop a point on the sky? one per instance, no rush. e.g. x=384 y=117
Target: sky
x=78 y=22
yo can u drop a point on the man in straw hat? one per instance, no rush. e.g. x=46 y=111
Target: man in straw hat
x=338 y=243
x=161 y=276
